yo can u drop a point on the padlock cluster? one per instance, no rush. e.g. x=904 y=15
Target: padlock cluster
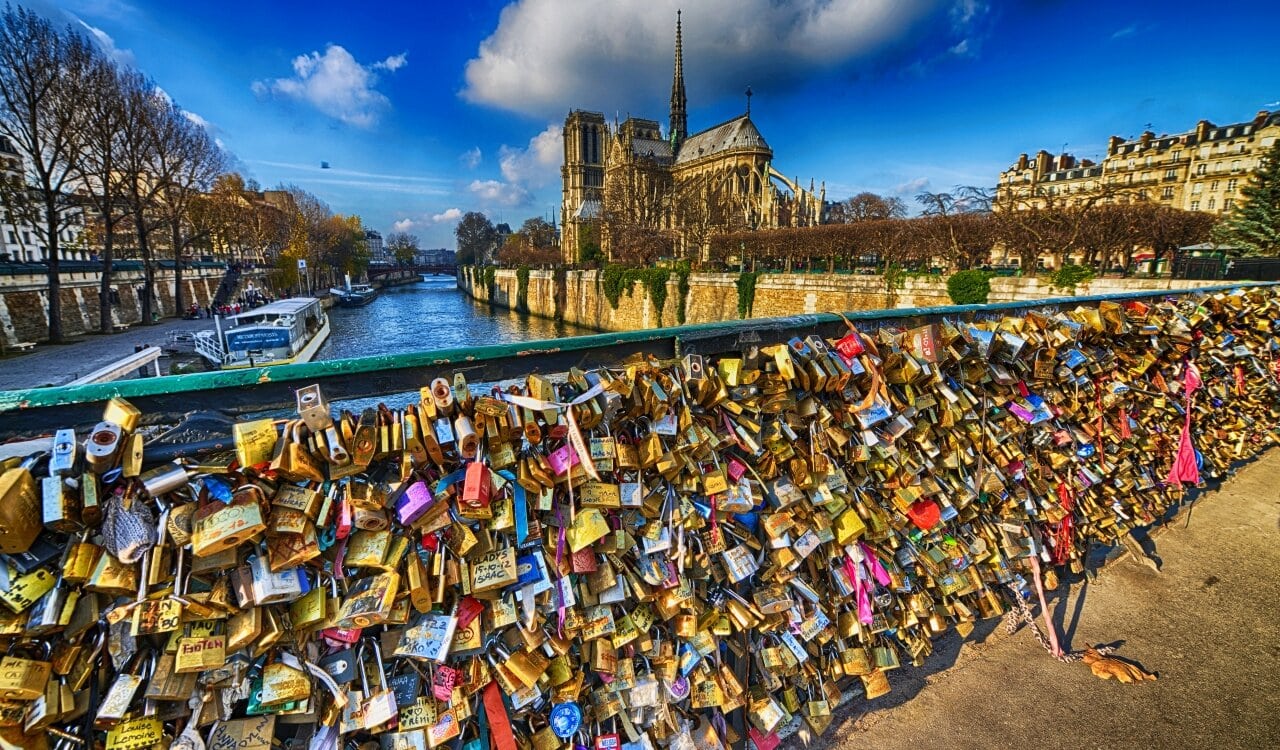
x=681 y=554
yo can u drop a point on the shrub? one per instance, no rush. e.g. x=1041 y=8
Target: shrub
x=1070 y=276
x=746 y=292
x=969 y=287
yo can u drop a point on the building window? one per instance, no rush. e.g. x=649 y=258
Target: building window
x=1142 y=195
x=1201 y=168
x=1197 y=188
x=1240 y=149
x=1231 y=185
x=1227 y=203
x=1213 y=186
x=1195 y=205
x=1171 y=174
x=1235 y=166
x=1211 y=203
x=1175 y=157
x=1167 y=193
x=1148 y=161
x=26 y=237
x=13 y=239
x=1132 y=163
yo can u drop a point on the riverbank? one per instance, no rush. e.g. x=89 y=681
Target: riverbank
x=581 y=297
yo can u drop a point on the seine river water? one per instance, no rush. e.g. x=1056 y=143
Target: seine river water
x=429 y=315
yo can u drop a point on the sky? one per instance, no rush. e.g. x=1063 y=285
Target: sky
x=426 y=110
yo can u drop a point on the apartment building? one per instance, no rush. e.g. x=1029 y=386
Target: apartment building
x=1202 y=169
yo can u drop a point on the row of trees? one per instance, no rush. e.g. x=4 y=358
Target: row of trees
x=96 y=135
x=1102 y=236
x=99 y=143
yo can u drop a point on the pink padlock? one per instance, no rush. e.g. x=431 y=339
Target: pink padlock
x=563 y=459
x=415 y=502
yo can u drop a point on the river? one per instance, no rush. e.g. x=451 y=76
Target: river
x=428 y=315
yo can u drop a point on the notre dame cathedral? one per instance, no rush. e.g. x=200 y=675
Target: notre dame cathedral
x=626 y=180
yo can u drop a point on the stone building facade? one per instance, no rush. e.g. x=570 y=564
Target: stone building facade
x=1202 y=169
x=683 y=186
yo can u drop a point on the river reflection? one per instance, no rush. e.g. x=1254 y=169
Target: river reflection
x=430 y=315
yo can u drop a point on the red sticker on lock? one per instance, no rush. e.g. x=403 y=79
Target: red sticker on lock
x=609 y=741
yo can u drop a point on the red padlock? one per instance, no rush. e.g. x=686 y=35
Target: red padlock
x=346 y=519
x=477 y=490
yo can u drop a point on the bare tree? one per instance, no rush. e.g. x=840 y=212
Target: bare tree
x=150 y=151
x=101 y=169
x=196 y=162
x=867 y=206
x=42 y=94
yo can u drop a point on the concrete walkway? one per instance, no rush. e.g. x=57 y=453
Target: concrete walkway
x=57 y=364
x=1208 y=624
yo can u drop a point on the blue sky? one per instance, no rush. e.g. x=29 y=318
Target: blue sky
x=426 y=110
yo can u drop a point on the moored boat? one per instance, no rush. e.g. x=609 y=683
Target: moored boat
x=355 y=295
x=284 y=332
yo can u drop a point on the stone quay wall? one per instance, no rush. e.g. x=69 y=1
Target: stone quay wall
x=714 y=296
x=24 y=299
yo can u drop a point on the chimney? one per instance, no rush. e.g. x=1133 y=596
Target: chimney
x=1202 y=130
x=1113 y=145
x=1260 y=118
x=1086 y=163
x=1147 y=135
x=1022 y=161
x=1044 y=160
x=1066 y=161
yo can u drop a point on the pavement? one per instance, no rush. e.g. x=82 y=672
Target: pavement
x=58 y=364
x=1208 y=623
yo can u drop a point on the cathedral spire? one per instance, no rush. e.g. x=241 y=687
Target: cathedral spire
x=679 y=117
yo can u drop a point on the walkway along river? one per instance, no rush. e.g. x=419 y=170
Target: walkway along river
x=430 y=314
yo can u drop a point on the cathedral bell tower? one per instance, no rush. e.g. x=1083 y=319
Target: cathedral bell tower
x=679 y=128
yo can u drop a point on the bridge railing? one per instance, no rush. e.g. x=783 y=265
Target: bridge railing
x=34 y=412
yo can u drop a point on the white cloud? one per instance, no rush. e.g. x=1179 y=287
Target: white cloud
x=449 y=214
x=336 y=85
x=547 y=55
x=497 y=193
x=471 y=157
x=404 y=225
x=393 y=63
x=911 y=187
x=1129 y=30
x=198 y=120
x=538 y=162
x=108 y=45
x=1270 y=105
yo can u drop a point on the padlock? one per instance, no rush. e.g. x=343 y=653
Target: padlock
x=20 y=509
x=378 y=707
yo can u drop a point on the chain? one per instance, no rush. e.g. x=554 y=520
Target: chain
x=1021 y=614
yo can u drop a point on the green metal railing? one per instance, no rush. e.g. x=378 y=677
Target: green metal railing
x=40 y=411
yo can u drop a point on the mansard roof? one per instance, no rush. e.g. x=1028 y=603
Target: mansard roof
x=738 y=133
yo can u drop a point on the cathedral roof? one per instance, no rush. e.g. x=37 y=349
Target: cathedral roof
x=652 y=148
x=738 y=133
